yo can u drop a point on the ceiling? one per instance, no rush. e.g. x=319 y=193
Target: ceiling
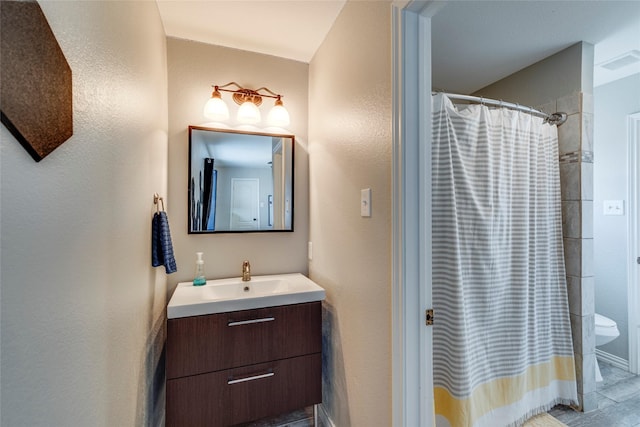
x=491 y=38
x=497 y=38
x=233 y=150
x=292 y=29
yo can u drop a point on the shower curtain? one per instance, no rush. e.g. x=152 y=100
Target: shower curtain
x=502 y=348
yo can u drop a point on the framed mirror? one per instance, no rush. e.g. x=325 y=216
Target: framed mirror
x=239 y=181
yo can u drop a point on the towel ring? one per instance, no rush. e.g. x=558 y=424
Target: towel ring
x=156 y=199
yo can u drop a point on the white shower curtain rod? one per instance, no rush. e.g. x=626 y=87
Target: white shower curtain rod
x=555 y=118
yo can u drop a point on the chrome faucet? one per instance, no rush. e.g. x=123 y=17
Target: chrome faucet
x=246 y=271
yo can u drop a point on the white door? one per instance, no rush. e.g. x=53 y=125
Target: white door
x=245 y=204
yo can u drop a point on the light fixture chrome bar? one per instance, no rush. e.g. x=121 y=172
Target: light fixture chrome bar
x=249 y=92
x=555 y=118
x=249 y=100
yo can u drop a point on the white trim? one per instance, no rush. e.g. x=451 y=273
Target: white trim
x=397 y=253
x=633 y=248
x=427 y=411
x=412 y=380
x=611 y=359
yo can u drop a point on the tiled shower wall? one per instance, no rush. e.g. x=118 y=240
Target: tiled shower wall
x=575 y=139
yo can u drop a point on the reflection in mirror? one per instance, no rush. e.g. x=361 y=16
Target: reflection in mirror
x=239 y=181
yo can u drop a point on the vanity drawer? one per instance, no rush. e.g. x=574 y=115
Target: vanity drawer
x=244 y=394
x=214 y=342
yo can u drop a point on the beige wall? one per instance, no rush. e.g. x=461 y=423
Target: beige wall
x=350 y=123
x=82 y=308
x=193 y=68
x=568 y=71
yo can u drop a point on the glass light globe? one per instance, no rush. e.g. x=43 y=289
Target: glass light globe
x=249 y=113
x=278 y=116
x=216 y=109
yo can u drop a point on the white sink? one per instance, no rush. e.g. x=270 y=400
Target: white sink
x=222 y=295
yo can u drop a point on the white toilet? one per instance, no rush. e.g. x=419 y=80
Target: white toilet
x=606 y=331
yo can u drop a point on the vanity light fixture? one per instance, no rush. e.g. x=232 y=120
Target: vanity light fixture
x=215 y=108
x=249 y=100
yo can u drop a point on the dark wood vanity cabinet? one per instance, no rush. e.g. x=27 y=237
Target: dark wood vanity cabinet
x=229 y=368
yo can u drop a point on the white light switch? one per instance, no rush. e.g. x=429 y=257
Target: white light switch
x=310 y=250
x=365 y=202
x=613 y=207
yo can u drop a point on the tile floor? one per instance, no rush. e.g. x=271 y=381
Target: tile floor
x=618 y=406
x=618 y=402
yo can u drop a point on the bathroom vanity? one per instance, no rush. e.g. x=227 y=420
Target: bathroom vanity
x=229 y=367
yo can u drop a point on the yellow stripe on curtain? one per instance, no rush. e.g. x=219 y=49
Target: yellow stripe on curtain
x=501 y=392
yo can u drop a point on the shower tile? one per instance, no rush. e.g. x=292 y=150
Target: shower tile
x=588 y=295
x=584 y=338
x=586 y=373
x=574 y=295
x=569 y=104
x=586 y=181
x=573 y=157
x=587 y=219
x=571 y=219
x=589 y=373
x=587 y=257
x=580 y=292
x=587 y=132
x=569 y=134
x=587 y=103
x=589 y=346
x=573 y=257
x=585 y=380
x=576 y=334
x=570 y=181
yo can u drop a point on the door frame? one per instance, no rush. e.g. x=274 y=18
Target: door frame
x=412 y=354
x=633 y=247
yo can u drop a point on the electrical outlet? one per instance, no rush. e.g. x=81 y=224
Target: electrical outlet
x=613 y=207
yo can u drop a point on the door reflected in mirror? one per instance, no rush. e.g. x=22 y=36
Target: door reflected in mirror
x=239 y=181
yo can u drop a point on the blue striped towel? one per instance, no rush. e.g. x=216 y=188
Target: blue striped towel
x=161 y=246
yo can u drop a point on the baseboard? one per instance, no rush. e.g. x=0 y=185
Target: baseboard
x=323 y=416
x=616 y=361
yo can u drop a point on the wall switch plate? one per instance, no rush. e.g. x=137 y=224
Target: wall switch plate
x=365 y=202
x=613 y=207
x=310 y=250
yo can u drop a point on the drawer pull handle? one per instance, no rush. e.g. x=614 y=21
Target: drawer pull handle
x=248 y=322
x=255 y=377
